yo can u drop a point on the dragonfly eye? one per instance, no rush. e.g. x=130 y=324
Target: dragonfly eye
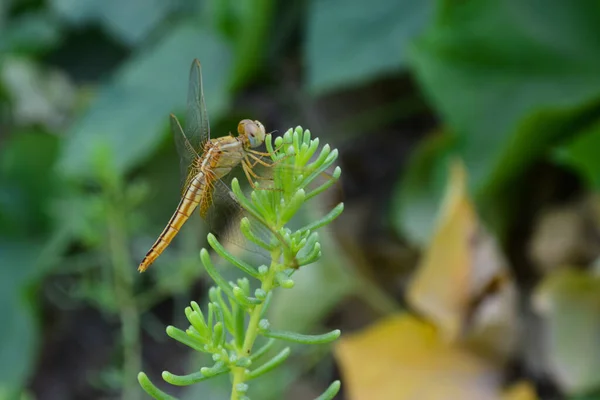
x=258 y=134
x=254 y=130
x=242 y=126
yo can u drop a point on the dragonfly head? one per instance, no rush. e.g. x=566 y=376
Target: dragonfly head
x=253 y=130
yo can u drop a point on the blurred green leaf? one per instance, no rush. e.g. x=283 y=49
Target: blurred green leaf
x=507 y=77
x=29 y=33
x=131 y=114
x=26 y=186
x=250 y=36
x=226 y=15
x=19 y=332
x=4 y=7
x=589 y=396
x=350 y=41
x=83 y=214
x=22 y=265
x=27 y=250
x=130 y=21
x=569 y=300
x=582 y=154
x=418 y=195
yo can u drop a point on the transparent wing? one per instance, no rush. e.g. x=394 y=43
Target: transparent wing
x=223 y=217
x=219 y=209
x=197 y=128
x=187 y=153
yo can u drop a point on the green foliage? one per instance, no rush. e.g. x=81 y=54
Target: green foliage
x=23 y=187
x=19 y=343
x=366 y=42
x=31 y=32
x=130 y=22
x=247 y=24
x=510 y=93
x=581 y=154
x=235 y=319
x=23 y=215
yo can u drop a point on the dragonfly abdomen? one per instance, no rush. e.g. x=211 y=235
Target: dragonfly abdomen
x=190 y=200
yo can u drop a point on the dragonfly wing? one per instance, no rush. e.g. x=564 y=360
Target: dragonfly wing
x=197 y=127
x=224 y=216
x=186 y=151
x=206 y=201
x=220 y=210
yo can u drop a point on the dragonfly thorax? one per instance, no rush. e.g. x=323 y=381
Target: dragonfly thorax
x=251 y=132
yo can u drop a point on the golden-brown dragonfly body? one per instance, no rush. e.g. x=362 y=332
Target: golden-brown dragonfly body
x=187 y=205
x=205 y=161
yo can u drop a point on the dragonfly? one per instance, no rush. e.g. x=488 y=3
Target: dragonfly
x=204 y=161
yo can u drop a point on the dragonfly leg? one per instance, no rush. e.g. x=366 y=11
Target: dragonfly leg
x=247 y=167
x=258 y=160
x=246 y=164
x=254 y=164
x=260 y=153
x=248 y=171
x=263 y=153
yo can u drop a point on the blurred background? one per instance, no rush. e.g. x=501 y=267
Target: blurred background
x=465 y=263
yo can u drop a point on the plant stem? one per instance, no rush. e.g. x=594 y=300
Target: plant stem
x=239 y=373
x=128 y=312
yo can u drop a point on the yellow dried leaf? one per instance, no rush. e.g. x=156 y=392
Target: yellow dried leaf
x=463 y=278
x=520 y=391
x=402 y=358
